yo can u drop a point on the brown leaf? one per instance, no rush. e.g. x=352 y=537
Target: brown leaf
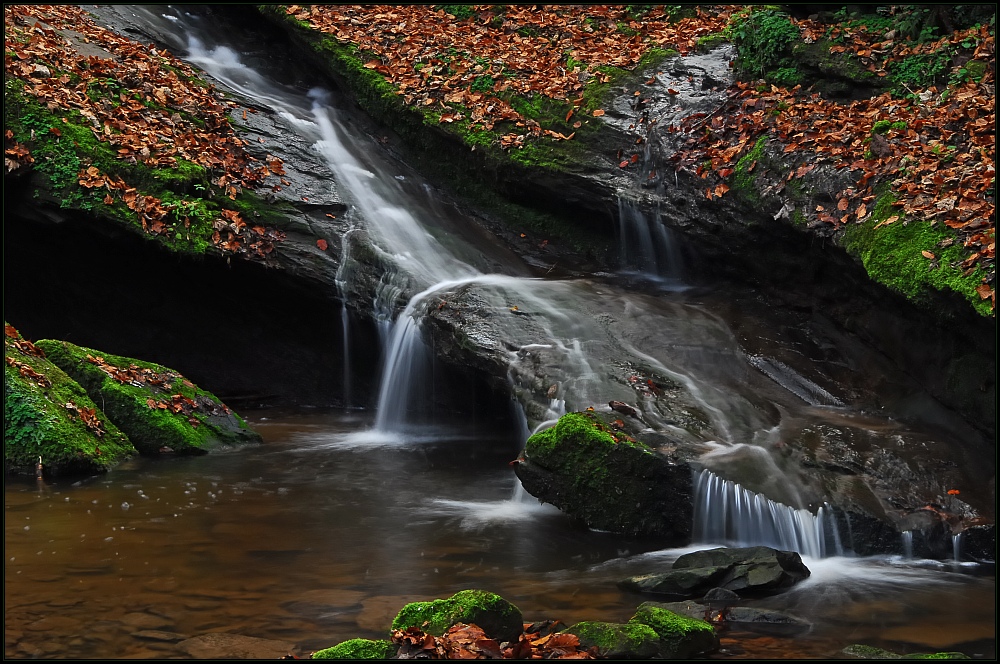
x=842 y=204
x=598 y=113
x=927 y=254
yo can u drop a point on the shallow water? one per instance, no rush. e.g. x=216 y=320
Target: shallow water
x=321 y=534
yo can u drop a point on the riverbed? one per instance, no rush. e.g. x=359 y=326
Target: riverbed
x=323 y=532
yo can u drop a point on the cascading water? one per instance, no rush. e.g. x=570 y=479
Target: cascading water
x=726 y=513
x=646 y=245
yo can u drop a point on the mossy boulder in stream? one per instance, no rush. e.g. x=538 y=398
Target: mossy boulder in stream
x=500 y=619
x=358 y=649
x=681 y=637
x=607 y=479
x=48 y=415
x=618 y=640
x=155 y=406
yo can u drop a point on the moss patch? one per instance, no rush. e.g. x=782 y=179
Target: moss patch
x=48 y=415
x=358 y=649
x=155 y=406
x=577 y=439
x=496 y=616
x=892 y=254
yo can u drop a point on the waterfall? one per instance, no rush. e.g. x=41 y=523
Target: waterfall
x=907 y=537
x=646 y=245
x=956 y=547
x=726 y=513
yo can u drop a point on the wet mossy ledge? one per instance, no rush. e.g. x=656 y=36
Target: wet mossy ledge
x=599 y=474
x=514 y=185
x=73 y=411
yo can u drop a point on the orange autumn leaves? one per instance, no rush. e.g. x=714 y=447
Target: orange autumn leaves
x=434 y=59
x=463 y=641
x=145 y=104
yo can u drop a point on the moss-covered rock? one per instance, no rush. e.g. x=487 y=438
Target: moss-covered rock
x=618 y=640
x=607 y=479
x=681 y=637
x=48 y=415
x=860 y=651
x=358 y=649
x=154 y=405
x=500 y=619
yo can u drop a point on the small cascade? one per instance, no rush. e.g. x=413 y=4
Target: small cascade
x=646 y=245
x=956 y=547
x=907 y=537
x=406 y=364
x=726 y=513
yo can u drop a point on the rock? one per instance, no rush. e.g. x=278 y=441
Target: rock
x=681 y=637
x=222 y=645
x=757 y=570
x=682 y=583
x=610 y=483
x=500 y=619
x=859 y=651
x=618 y=640
x=154 y=405
x=359 y=649
x=760 y=621
x=47 y=414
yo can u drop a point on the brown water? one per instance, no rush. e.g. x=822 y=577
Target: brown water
x=315 y=537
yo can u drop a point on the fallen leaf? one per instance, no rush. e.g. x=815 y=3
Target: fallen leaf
x=321 y=243
x=927 y=254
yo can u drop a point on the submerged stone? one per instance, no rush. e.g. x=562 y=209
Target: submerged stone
x=50 y=420
x=500 y=619
x=358 y=649
x=155 y=406
x=607 y=480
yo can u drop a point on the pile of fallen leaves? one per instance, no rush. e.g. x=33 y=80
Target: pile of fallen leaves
x=940 y=163
x=434 y=59
x=147 y=105
x=461 y=641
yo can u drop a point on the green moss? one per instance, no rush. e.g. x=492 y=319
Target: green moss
x=496 y=616
x=937 y=655
x=190 y=421
x=358 y=649
x=744 y=177
x=614 y=640
x=706 y=43
x=681 y=636
x=37 y=422
x=892 y=255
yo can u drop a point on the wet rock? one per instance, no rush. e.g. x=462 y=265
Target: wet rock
x=222 y=645
x=751 y=571
x=359 y=649
x=760 y=621
x=858 y=651
x=618 y=640
x=681 y=637
x=159 y=635
x=154 y=405
x=609 y=482
x=500 y=619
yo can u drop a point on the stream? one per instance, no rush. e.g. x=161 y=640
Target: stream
x=323 y=532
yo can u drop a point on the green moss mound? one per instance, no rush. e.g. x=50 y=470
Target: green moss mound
x=154 y=405
x=47 y=414
x=681 y=637
x=358 y=649
x=500 y=619
x=617 y=640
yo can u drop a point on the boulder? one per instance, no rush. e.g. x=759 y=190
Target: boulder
x=155 y=406
x=607 y=479
x=51 y=425
x=751 y=571
x=618 y=640
x=681 y=637
x=760 y=621
x=500 y=619
x=359 y=649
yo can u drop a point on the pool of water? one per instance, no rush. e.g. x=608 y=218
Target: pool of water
x=323 y=532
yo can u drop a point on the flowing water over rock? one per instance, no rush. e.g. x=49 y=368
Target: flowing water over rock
x=421 y=504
